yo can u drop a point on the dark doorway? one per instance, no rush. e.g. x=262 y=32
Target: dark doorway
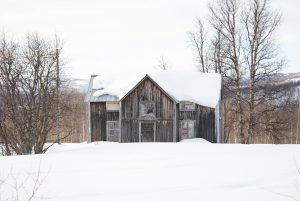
x=147 y=131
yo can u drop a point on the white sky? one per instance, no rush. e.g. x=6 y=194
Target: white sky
x=116 y=35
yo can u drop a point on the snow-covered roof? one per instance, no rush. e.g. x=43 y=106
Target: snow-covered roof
x=201 y=88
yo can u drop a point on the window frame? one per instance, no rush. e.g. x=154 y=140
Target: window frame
x=188 y=121
x=114 y=129
x=183 y=106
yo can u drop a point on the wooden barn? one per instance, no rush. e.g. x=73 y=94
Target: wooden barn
x=157 y=107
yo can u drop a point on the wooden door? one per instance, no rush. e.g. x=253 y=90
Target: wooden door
x=112 y=131
x=187 y=129
x=147 y=130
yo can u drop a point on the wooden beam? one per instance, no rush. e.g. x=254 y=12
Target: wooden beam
x=120 y=122
x=175 y=122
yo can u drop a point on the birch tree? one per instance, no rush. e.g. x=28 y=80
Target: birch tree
x=261 y=54
x=197 y=40
x=243 y=50
x=224 y=18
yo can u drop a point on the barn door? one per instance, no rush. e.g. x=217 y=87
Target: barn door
x=187 y=129
x=147 y=131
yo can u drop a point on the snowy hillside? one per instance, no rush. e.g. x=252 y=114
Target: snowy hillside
x=288 y=77
x=81 y=85
x=158 y=171
x=282 y=78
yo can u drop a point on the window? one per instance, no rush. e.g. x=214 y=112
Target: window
x=147 y=110
x=112 y=106
x=187 y=106
x=112 y=131
x=187 y=129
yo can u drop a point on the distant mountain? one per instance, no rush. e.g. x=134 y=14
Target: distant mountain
x=81 y=85
x=292 y=79
x=287 y=81
x=288 y=78
x=284 y=82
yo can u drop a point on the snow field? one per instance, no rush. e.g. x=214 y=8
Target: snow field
x=159 y=171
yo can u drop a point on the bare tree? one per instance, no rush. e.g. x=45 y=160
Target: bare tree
x=218 y=51
x=22 y=186
x=197 y=41
x=163 y=64
x=242 y=49
x=224 y=17
x=28 y=92
x=8 y=77
x=260 y=23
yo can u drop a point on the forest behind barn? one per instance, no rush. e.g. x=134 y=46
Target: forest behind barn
x=238 y=40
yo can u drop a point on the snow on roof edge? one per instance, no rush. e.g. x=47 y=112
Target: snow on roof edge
x=201 y=88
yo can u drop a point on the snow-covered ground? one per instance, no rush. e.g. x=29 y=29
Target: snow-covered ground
x=157 y=171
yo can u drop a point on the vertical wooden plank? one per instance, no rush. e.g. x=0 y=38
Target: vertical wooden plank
x=120 y=122
x=174 y=122
x=165 y=121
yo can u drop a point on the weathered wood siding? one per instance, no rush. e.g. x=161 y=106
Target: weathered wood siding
x=204 y=122
x=163 y=112
x=98 y=121
x=148 y=103
x=164 y=131
x=130 y=130
x=112 y=116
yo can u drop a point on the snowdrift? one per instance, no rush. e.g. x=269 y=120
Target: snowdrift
x=157 y=171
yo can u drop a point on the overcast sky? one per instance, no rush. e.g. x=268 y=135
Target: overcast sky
x=116 y=35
